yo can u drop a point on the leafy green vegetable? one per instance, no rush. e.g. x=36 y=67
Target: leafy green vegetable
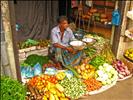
x=90 y=51
x=27 y=43
x=12 y=89
x=24 y=64
x=34 y=59
x=97 y=61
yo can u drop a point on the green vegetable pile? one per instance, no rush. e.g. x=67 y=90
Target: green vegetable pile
x=34 y=59
x=100 y=42
x=24 y=64
x=12 y=89
x=90 y=51
x=97 y=61
x=74 y=87
x=27 y=43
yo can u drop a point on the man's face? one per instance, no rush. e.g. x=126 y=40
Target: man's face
x=64 y=24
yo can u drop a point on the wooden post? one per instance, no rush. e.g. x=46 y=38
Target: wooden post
x=113 y=26
x=9 y=38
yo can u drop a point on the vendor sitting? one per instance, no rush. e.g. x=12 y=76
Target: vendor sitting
x=61 y=35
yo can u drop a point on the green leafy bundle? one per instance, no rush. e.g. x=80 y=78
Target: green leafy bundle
x=97 y=61
x=12 y=89
x=34 y=59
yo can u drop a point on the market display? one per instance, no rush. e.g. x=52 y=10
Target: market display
x=92 y=84
x=122 y=69
x=33 y=65
x=129 y=54
x=90 y=51
x=86 y=71
x=73 y=87
x=98 y=71
x=27 y=43
x=45 y=87
x=97 y=61
x=12 y=89
x=106 y=74
x=34 y=59
x=30 y=43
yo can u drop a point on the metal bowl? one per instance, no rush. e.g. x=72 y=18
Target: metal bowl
x=89 y=41
x=77 y=45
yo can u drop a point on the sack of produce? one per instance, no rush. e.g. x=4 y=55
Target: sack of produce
x=37 y=69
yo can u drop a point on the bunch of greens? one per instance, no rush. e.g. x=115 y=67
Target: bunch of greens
x=27 y=43
x=23 y=64
x=34 y=59
x=74 y=87
x=12 y=89
x=89 y=51
x=97 y=61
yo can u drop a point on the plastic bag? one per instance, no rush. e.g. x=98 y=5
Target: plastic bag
x=37 y=69
x=29 y=72
x=23 y=71
x=69 y=74
x=50 y=71
x=115 y=18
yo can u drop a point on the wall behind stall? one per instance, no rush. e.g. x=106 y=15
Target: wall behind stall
x=35 y=18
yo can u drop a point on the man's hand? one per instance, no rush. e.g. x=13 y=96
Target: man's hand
x=70 y=50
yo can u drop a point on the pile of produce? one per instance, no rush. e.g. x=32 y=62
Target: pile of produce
x=41 y=81
x=129 y=54
x=43 y=43
x=73 y=87
x=106 y=74
x=99 y=45
x=97 y=61
x=27 y=43
x=90 y=51
x=86 y=71
x=34 y=59
x=108 y=54
x=121 y=68
x=72 y=69
x=45 y=87
x=60 y=75
x=49 y=65
x=92 y=84
x=12 y=89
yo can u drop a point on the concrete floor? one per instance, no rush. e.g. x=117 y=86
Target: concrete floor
x=121 y=91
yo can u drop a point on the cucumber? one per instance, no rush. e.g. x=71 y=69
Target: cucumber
x=73 y=70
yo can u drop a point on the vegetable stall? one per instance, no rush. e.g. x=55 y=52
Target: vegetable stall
x=98 y=71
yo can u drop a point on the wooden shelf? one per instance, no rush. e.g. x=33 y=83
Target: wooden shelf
x=128 y=59
x=130 y=14
x=103 y=6
x=129 y=34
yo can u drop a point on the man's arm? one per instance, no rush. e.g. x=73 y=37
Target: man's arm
x=57 y=45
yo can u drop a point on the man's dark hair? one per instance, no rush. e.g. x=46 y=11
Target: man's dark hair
x=62 y=18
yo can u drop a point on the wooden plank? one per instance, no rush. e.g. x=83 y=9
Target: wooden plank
x=14 y=36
